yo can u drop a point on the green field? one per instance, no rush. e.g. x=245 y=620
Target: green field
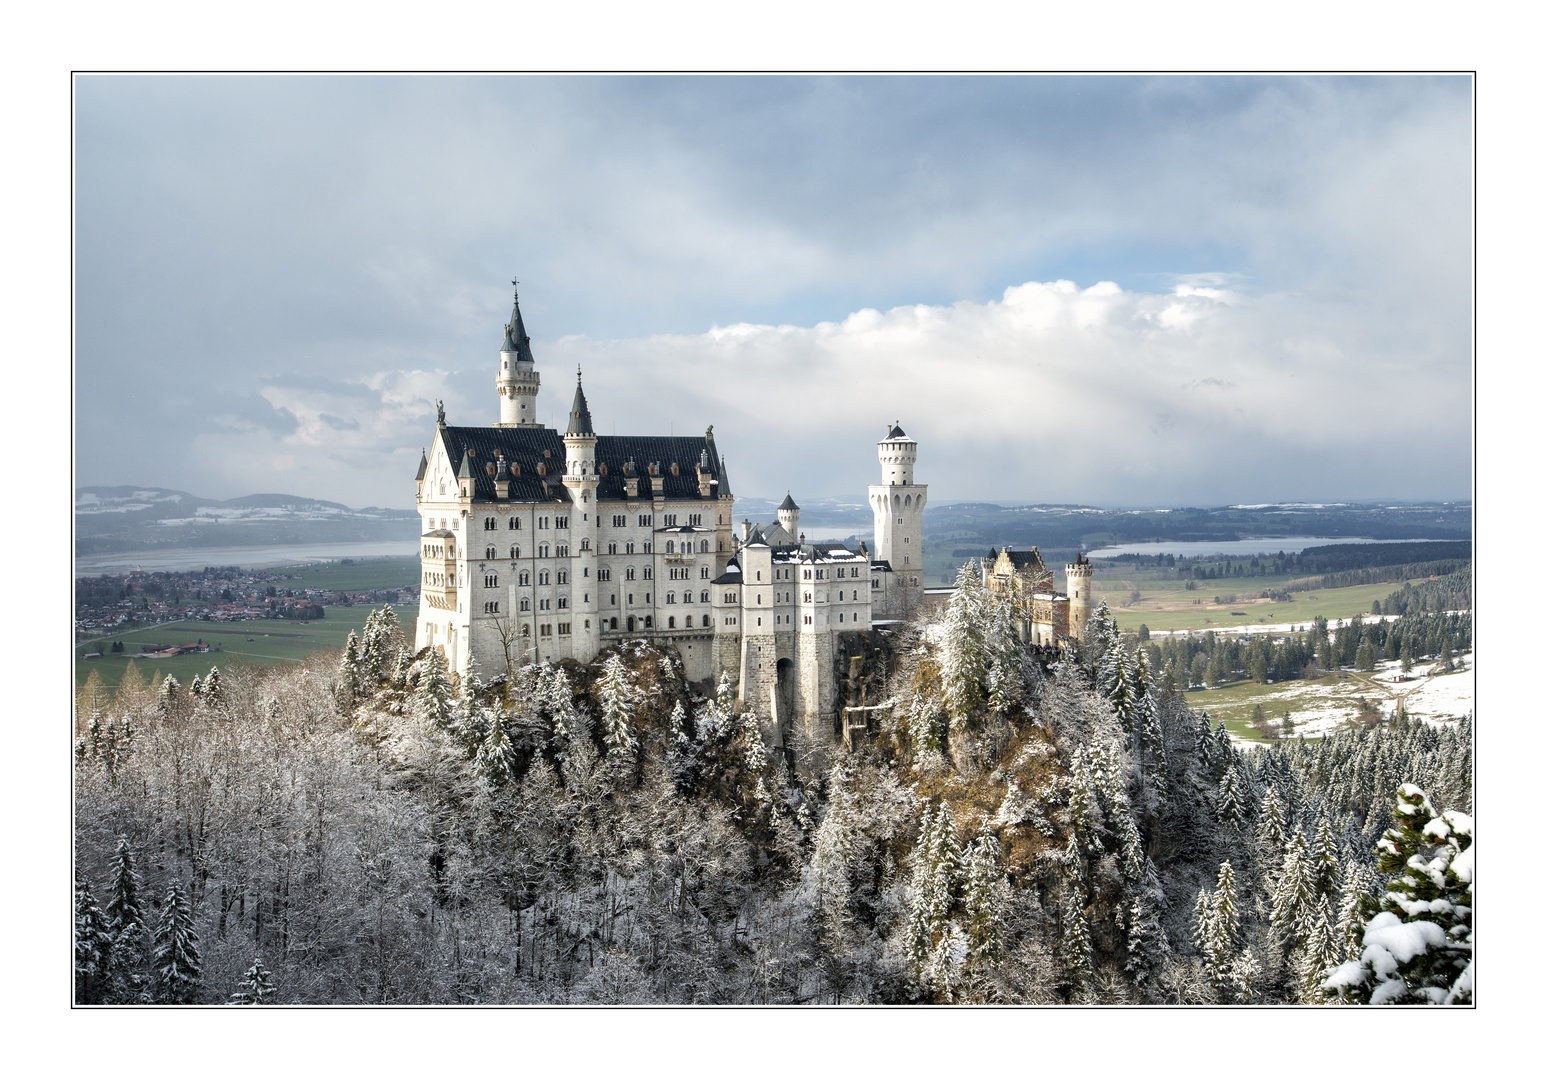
x=272 y=641
x=1160 y=608
x=363 y=575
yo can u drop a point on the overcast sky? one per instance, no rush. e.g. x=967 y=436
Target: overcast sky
x=1114 y=291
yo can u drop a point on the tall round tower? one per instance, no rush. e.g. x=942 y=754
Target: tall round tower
x=517 y=381
x=897 y=504
x=1077 y=582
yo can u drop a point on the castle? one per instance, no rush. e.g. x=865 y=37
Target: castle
x=540 y=546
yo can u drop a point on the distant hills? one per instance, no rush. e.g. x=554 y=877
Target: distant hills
x=126 y=518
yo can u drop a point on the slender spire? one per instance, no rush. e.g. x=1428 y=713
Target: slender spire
x=516 y=340
x=579 y=413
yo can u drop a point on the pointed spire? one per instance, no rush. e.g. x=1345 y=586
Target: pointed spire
x=579 y=414
x=424 y=464
x=788 y=503
x=516 y=340
x=466 y=471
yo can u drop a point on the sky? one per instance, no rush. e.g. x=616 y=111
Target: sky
x=1114 y=291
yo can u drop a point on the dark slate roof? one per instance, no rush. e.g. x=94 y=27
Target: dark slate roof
x=732 y=576
x=466 y=470
x=579 y=414
x=896 y=433
x=788 y=503
x=1023 y=559
x=516 y=340
x=524 y=447
x=424 y=465
x=881 y=564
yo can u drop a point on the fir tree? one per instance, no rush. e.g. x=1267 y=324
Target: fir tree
x=256 y=987
x=1294 y=897
x=981 y=898
x=432 y=698
x=1074 y=945
x=93 y=949
x=175 y=955
x=126 y=922
x=965 y=660
x=349 y=676
x=1418 y=948
x=615 y=693
x=496 y=757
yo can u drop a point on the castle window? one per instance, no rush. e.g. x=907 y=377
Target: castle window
x=612 y=624
x=491 y=607
x=526 y=629
x=563 y=577
x=515 y=523
x=563 y=603
x=689 y=622
x=703 y=571
x=647 y=598
x=695 y=519
x=628 y=574
x=806 y=575
x=585 y=544
x=649 y=572
x=526 y=578
x=612 y=549
x=730 y=598
x=808 y=598
x=526 y=605
x=564 y=627
x=647 y=617
x=840 y=616
x=561 y=550
x=647 y=547
x=491 y=581
x=619 y=520
x=703 y=545
x=644 y=519
x=840 y=573
x=612 y=600
x=542 y=577
x=542 y=551
x=671 y=622
x=671 y=598
x=604 y=573
x=905 y=559
x=490 y=523
x=670 y=546
x=669 y=520
x=515 y=552
x=703 y=597
x=490 y=552
x=628 y=548
x=561 y=522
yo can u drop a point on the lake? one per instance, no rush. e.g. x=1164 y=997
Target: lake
x=1271 y=545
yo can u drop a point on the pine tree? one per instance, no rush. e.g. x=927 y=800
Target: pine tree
x=615 y=693
x=1322 y=860
x=175 y=956
x=1294 y=897
x=1418 y=948
x=256 y=987
x=1147 y=945
x=214 y=689
x=93 y=948
x=126 y=922
x=496 y=757
x=965 y=660
x=981 y=898
x=432 y=698
x=1272 y=833
x=1320 y=953
x=1074 y=945
x=349 y=676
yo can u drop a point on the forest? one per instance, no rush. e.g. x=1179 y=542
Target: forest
x=364 y=829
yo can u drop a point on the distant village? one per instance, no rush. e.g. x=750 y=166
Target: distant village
x=214 y=594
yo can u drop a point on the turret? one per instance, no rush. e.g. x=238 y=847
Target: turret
x=898 y=506
x=789 y=516
x=517 y=381
x=1077 y=584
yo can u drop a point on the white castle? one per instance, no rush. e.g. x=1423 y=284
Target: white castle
x=543 y=547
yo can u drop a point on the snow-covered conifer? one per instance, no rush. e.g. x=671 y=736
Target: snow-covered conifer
x=349 y=669
x=1294 y=895
x=93 y=948
x=965 y=656
x=1418 y=948
x=981 y=897
x=496 y=757
x=126 y=922
x=256 y=987
x=432 y=697
x=617 y=697
x=175 y=957
x=1074 y=945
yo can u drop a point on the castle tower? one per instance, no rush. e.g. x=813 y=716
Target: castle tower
x=581 y=481
x=898 y=505
x=517 y=381
x=789 y=516
x=1077 y=585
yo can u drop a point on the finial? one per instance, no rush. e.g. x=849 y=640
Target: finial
x=440 y=412
x=515 y=284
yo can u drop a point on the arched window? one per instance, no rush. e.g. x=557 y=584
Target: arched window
x=896 y=500
x=647 y=622
x=671 y=622
x=671 y=546
x=671 y=598
x=490 y=553
x=628 y=574
x=515 y=552
x=703 y=546
x=689 y=622
x=703 y=597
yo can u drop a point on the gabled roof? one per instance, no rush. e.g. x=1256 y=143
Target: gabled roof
x=524 y=448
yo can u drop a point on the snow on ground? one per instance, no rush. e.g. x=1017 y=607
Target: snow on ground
x=1318 y=710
